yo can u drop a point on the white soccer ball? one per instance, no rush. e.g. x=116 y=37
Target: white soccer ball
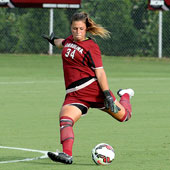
x=103 y=154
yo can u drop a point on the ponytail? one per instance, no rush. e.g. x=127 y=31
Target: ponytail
x=92 y=27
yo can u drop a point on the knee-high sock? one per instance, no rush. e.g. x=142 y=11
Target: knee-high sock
x=125 y=102
x=66 y=134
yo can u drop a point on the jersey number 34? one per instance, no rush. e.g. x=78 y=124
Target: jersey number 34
x=70 y=53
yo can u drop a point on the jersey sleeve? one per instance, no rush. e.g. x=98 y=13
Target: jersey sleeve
x=95 y=57
x=64 y=41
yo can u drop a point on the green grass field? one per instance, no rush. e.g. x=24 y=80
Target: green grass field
x=32 y=92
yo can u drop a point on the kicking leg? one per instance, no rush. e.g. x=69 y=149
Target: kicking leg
x=125 y=95
x=125 y=107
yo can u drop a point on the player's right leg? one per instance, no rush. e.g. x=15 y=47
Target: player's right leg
x=130 y=92
x=125 y=96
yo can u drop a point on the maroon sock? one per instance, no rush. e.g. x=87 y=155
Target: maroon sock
x=125 y=102
x=67 y=146
x=67 y=134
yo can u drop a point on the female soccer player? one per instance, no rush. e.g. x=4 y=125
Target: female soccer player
x=85 y=81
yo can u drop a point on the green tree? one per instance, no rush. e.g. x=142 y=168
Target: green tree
x=116 y=17
x=146 y=22
x=134 y=29
x=166 y=34
x=7 y=29
x=33 y=24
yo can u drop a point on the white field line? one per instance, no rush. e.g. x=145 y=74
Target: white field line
x=141 y=79
x=27 y=82
x=58 y=81
x=23 y=160
x=26 y=159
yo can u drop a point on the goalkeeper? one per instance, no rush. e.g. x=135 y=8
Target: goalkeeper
x=85 y=81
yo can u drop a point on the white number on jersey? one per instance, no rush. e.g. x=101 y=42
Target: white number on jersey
x=69 y=53
x=72 y=54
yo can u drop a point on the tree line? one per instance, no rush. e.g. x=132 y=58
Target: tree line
x=134 y=29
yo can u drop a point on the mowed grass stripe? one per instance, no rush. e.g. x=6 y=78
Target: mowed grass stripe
x=29 y=113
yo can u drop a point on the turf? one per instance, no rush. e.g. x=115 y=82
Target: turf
x=31 y=94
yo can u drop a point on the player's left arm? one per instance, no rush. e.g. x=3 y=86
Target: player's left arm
x=102 y=80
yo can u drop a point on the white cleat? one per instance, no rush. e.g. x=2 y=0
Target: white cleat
x=121 y=92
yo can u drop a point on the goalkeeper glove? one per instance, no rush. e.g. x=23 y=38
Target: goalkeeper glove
x=50 y=38
x=109 y=103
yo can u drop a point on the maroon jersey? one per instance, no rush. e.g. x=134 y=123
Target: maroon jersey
x=79 y=60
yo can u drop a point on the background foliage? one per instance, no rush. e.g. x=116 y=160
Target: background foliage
x=134 y=29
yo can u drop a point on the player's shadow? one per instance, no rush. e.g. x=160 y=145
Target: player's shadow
x=40 y=162
x=47 y=162
x=84 y=164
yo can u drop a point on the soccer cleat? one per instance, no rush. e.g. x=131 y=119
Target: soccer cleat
x=60 y=157
x=121 y=92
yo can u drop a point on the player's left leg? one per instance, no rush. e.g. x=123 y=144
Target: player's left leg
x=68 y=116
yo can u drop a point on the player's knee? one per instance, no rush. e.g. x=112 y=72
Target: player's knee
x=126 y=117
x=124 y=120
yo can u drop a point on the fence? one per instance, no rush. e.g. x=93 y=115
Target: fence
x=134 y=29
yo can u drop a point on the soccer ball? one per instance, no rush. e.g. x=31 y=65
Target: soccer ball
x=103 y=154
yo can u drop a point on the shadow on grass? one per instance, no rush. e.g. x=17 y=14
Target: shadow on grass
x=44 y=162
x=40 y=162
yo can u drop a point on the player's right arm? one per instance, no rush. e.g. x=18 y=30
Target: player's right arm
x=55 y=41
x=58 y=42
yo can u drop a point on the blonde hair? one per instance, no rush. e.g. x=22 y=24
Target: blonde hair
x=92 y=27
